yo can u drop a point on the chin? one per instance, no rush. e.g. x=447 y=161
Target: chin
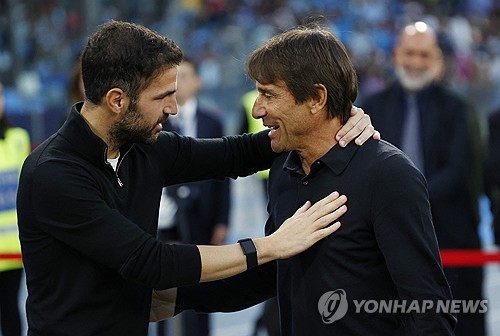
x=150 y=140
x=153 y=139
x=277 y=148
x=413 y=82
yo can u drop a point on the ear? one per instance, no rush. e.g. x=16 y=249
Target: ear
x=319 y=102
x=117 y=100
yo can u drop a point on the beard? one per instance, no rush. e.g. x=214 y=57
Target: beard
x=131 y=127
x=413 y=83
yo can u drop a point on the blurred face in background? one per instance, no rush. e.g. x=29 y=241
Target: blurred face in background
x=417 y=57
x=188 y=82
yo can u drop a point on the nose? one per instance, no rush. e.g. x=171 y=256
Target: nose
x=258 y=110
x=171 y=109
x=416 y=61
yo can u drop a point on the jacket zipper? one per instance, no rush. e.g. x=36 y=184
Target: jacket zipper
x=120 y=183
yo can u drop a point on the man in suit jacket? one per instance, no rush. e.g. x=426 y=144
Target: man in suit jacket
x=199 y=210
x=492 y=171
x=434 y=133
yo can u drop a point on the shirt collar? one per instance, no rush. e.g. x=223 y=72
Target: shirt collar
x=337 y=159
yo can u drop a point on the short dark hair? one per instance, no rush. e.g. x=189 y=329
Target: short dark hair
x=125 y=55
x=305 y=56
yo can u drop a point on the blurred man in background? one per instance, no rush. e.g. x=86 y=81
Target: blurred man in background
x=492 y=171
x=200 y=209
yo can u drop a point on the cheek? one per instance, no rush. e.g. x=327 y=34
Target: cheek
x=149 y=112
x=429 y=63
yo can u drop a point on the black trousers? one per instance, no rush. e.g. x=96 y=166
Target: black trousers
x=10 y=319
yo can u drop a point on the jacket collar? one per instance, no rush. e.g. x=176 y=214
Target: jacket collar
x=77 y=132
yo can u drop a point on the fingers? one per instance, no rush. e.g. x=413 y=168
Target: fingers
x=325 y=232
x=366 y=134
x=308 y=225
x=327 y=205
x=357 y=130
x=358 y=127
x=356 y=116
x=303 y=208
x=328 y=218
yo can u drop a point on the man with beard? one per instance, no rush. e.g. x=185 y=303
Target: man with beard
x=434 y=132
x=89 y=196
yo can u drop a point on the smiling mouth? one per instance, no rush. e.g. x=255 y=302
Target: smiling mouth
x=272 y=127
x=157 y=126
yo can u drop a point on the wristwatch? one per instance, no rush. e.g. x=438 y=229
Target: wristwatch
x=249 y=251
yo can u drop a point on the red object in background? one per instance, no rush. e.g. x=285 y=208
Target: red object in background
x=450 y=258
x=10 y=256
x=468 y=258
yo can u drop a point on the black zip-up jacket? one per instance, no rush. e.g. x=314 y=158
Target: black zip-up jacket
x=88 y=233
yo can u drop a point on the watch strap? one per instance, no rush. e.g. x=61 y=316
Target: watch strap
x=250 y=252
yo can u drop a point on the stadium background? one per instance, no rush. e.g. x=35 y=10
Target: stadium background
x=40 y=41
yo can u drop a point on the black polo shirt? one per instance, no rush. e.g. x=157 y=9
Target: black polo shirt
x=386 y=248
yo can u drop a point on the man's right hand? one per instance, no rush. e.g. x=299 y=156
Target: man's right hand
x=308 y=225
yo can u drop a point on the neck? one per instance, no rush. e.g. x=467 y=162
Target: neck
x=318 y=143
x=100 y=122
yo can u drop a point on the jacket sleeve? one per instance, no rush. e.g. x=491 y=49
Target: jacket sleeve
x=232 y=294
x=72 y=211
x=189 y=159
x=405 y=234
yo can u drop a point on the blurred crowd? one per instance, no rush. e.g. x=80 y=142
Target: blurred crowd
x=41 y=40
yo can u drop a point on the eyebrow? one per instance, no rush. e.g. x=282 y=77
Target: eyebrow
x=164 y=94
x=265 y=90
